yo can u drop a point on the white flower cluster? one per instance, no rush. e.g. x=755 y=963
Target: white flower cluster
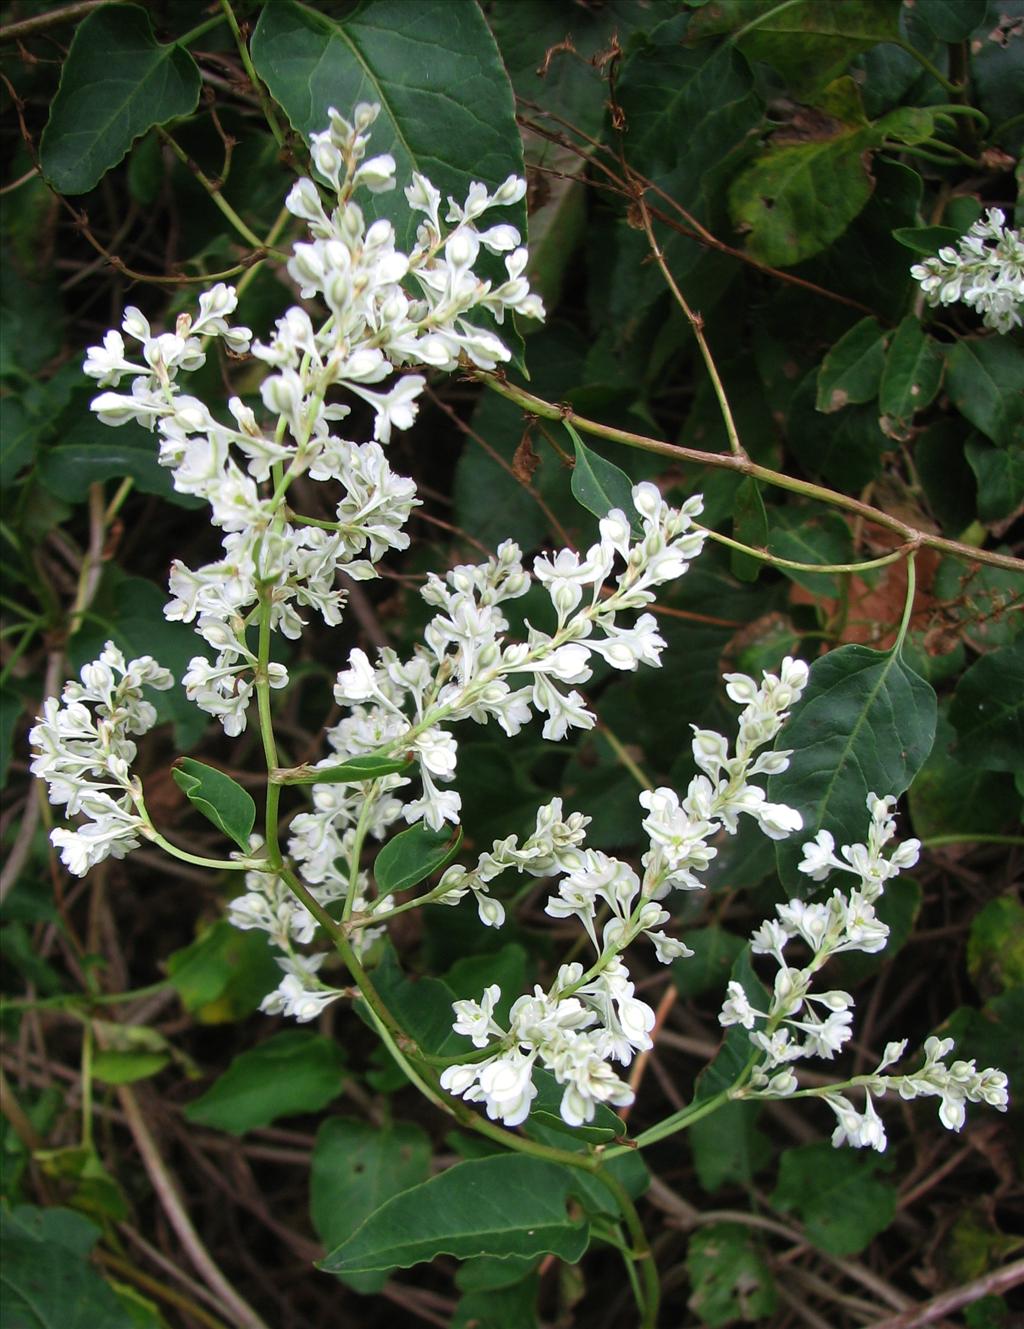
x=463 y=670
x=386 y=310
x=984 y=271
x=83 y=752
x=799 y=1023
x=591 y=1018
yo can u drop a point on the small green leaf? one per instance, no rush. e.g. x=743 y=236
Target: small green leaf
x=926 y=239
x=219 y=798
x=598 y=485
x=750 y=527
x=985 y=381
x=852 y=370
x=988 y=710
x=127 y=1067
x=355 y=771
x=117 y=82
x=840 y=1201
x=729 y=1277
x=913 y=372
x=728 y=1147
x=865 y=724
x=294 y=1072
x=503 y=1205
x=952 y=20
x=509 y=1307
x=414 y=855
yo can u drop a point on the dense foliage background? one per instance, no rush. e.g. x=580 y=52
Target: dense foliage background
x=775 y=168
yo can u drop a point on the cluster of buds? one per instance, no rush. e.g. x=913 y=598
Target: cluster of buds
x=984 y=271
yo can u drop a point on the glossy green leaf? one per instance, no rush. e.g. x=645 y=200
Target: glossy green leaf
x=865 y=724
x=118 y=82
x=414 y=855
x=912 y=374
x=729 y=1278
x=836 y=1194
x=852 y=370
x=508 y=1204
x=1000 y=476
x=985 y=381
x=750 y=527
x=356 y=1167
x=796 y=199
x=446 y=103
x=46 y=1279
x=599 y=485
x=291 y=1073
x=988 y=710
x=218 y=797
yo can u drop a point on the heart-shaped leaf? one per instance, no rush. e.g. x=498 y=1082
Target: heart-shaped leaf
x=219 y=798
x=414 y=855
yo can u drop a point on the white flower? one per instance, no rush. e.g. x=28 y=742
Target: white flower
x=985 y=271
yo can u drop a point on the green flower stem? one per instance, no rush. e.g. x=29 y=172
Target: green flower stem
x=216 y=197
x=763 y=18
x=362 y=826
x=200 y=30
x=641 y=1252
x=776 y=561
x=697 y=324
x=273 y=799
x=968 y=837
x=743 y=465
x=908 y=607
x=678 y=1121
x=223 y=864
x=243 y=50
x=925 y=63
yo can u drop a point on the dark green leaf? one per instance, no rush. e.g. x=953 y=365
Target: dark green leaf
x=218 y=797
x=512 y=1307
x=750 y=527
x=730 y=1278
x=728 y=1147
x=952 y=20
x=952 y=796
x=356 y=1167
x=714 y=953
x=926 y=239
x=598 y=485
x=842 y=1204
x=291 y=1073
x=810 y=536
x=845 y=450
x=913 y=372
x=446 y=103
x=1000 y=476
x=508 y=1204
x=809 y=42
x=852 y=370
x=985 y=381
x=948 y=481
x=116 y=83
x=414 y=855
x=865 y=724
x=47 y=1280
x=988 y=710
